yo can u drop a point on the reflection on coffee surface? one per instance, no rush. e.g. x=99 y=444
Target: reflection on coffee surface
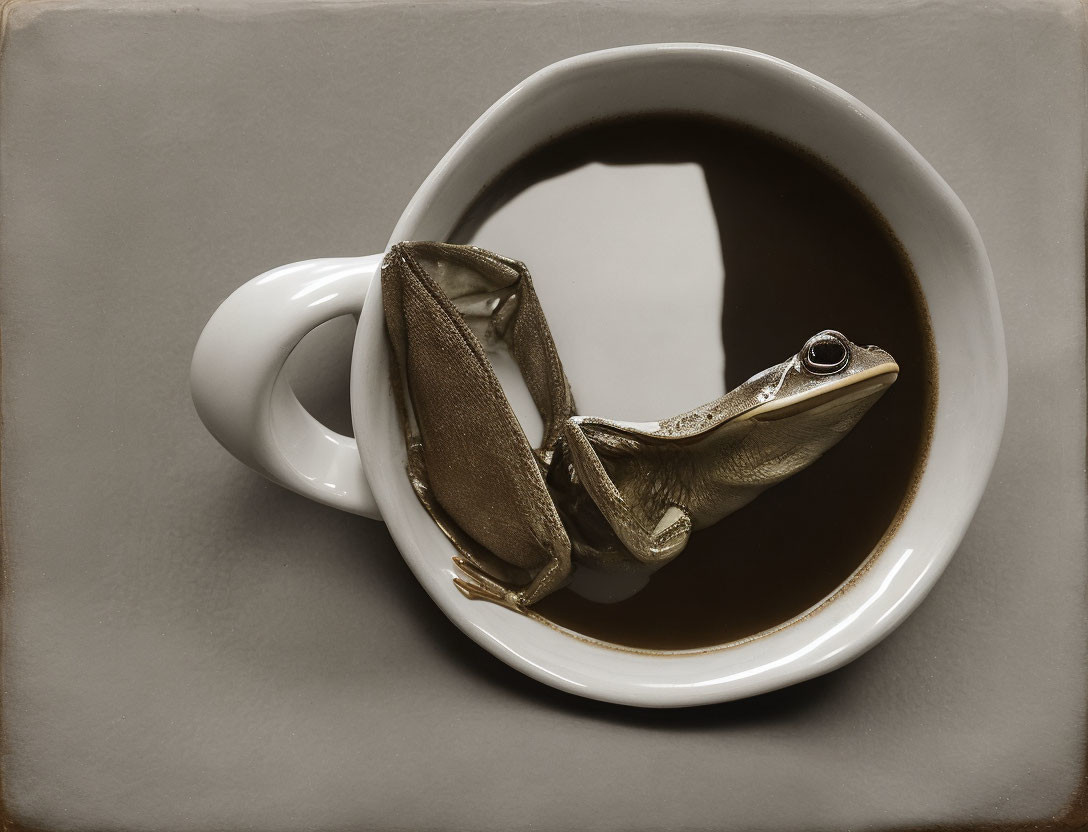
x=799 y=250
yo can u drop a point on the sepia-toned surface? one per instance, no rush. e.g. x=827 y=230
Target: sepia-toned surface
x=187 y=647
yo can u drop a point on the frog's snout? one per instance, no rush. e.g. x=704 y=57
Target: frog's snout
x=826 y=353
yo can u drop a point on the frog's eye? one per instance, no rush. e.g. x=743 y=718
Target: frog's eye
x=825 y=354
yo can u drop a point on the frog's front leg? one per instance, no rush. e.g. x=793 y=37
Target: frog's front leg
x=481 y=586
x=658 y=541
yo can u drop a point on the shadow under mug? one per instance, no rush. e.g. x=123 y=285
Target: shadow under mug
x=250 y=408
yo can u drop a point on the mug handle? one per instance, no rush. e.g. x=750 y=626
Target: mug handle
x=247 y=403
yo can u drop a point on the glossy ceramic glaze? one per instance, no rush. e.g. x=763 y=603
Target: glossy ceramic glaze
x=250 y=407
x=930 y=221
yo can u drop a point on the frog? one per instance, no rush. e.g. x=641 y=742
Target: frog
x=631 y=494
x=599 y=494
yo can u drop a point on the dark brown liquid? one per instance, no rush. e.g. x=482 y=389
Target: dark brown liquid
x=803 y=252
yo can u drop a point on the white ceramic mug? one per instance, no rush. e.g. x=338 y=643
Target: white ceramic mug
x=246 y=404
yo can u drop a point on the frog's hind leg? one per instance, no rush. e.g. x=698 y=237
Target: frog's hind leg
x=550 y=578
x=487 y=578
x=481 y=586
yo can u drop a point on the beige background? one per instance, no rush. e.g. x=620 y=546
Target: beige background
x=187 y=647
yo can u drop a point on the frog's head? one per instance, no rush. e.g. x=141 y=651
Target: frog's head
x=806 y=404
x=829 y=374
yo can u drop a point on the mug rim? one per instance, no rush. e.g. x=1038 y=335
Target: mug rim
x=831 y=633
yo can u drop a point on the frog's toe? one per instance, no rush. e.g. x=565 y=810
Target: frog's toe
x=482 y=587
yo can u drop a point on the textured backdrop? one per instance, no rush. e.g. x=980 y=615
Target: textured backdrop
x=187 y=647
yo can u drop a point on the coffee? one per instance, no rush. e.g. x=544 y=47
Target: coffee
x=801 y=251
